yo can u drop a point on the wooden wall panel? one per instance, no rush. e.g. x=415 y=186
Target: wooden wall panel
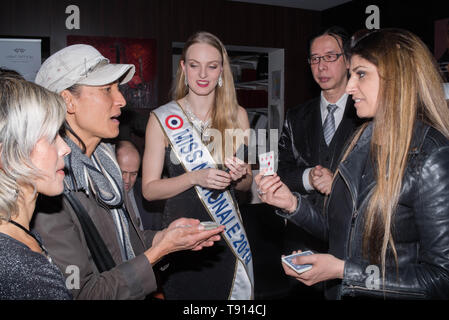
x=170 y=21
x=415 y=16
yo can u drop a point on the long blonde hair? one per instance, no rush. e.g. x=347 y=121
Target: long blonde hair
x=225 y=110
x=410 y=89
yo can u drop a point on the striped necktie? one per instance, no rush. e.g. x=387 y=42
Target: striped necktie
x=329 y=123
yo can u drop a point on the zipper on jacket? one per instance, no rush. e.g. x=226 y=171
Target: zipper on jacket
x=354 y=214
x=353 y=288
x=326 y=208
x=351 y=233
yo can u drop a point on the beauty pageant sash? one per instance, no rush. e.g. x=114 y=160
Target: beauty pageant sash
x=193 y=155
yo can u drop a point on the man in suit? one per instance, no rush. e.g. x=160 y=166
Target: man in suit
x=315 y=133
x=149 y=213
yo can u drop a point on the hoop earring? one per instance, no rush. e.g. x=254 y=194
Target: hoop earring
x=220 y=81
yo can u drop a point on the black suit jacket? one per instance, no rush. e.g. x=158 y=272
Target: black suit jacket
x=150 y=211
x=301 y=143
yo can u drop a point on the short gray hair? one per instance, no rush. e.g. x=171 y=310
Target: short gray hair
x=28 y=112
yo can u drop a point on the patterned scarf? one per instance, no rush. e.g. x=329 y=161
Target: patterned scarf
x=100 y=174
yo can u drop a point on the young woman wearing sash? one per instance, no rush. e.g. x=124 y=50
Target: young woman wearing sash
x=177 y=137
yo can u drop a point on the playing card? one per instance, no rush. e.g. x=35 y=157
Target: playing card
x=299 y=268
x=266 y=163
x=209 y=225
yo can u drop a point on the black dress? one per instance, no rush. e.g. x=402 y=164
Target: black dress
x=192 y=275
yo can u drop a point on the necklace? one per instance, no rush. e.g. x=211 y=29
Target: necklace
x=200 y=125
x=34 y=237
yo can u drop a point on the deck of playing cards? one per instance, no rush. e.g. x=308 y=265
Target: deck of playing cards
x=299 y=268
x=209 y=225
x=266 y=163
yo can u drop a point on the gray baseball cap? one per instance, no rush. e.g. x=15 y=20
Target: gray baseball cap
x=80 y=64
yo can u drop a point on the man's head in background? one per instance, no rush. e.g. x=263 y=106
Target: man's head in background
x=10 y=73
x=327 y=59
x=128 y=158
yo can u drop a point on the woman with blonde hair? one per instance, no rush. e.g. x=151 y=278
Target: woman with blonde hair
x=192 y=137
x=31 y=163
x=387 y=215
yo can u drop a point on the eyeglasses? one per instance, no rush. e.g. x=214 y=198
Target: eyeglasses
x=331 y=57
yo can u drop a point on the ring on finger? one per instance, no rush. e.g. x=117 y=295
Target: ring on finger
x=260 y=192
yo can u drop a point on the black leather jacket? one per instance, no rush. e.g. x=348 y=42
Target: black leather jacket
x=420 y=223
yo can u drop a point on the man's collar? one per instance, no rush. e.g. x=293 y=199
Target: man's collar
x=341 y=103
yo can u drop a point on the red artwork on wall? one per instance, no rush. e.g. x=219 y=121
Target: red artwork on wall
x=141 y=91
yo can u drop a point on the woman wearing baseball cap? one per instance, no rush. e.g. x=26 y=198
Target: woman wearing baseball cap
x=93 y=232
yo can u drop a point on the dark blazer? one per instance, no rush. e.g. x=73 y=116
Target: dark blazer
x=150 y=211
x=61 y=232
x=302 y=146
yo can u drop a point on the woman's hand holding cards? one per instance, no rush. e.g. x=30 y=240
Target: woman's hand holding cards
x=274 y=192
x=211 y=178
x=324 y=267
x=237 y=168
x=182 y=234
